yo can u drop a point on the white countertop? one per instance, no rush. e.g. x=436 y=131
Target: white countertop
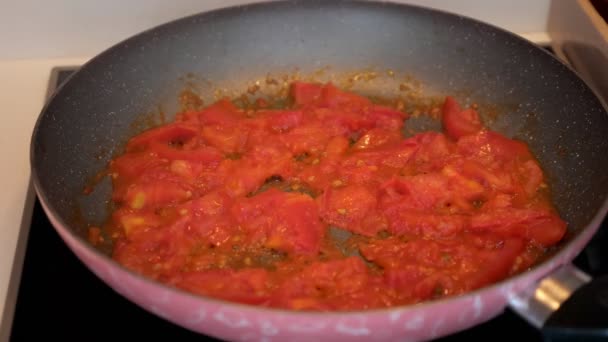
x=23 y=86
x=83 y=28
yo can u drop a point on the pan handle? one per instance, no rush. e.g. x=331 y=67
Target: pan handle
x=566 y=305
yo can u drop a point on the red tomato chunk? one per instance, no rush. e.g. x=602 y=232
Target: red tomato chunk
x=241 y=205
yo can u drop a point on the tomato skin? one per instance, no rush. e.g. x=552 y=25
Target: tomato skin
x=457 y=122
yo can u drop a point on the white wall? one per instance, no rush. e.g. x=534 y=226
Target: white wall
x=66 y=28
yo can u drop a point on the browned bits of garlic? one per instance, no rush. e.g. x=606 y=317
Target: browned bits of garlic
x=337 y=183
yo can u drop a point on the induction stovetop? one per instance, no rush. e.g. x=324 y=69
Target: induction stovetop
x=60 y=299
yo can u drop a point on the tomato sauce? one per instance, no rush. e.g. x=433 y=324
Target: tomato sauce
x=326 y=206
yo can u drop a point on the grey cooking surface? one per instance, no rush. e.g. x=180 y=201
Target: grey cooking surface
x=60 y=297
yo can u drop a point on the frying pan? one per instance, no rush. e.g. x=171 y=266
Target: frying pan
x=539 y=100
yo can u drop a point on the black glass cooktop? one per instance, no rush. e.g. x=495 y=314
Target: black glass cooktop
x=60 y=299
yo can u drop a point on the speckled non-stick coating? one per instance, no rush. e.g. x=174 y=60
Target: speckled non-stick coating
x=554 y=111
x=544 y=102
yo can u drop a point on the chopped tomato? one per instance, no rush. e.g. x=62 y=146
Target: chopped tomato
x=336 y=147
x=352 y=208
x=187 y=169
x=283 y=121
x=212 y=204
x=387 y=118
x=325 y=286
x=334 y=97
x=228 y=139
x=177 y=134
x=156 y=193
x=220 y=113
x=205 y=154
x=279 y=220
x=488 y=147
x=547 y=231
x=343 y=121
x=531 y=176
x=94 y=236
x=377 y=137
x=306 y=138
x=457 y=122
x=538 y=225
x=432 y=152
x=425 y=223
x=245 y=286
x=325 y=205
x=497 y=263
x=444 y=191
x=129 y=167
x=305 y=93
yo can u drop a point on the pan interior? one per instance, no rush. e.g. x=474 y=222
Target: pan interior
x=523 y=92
